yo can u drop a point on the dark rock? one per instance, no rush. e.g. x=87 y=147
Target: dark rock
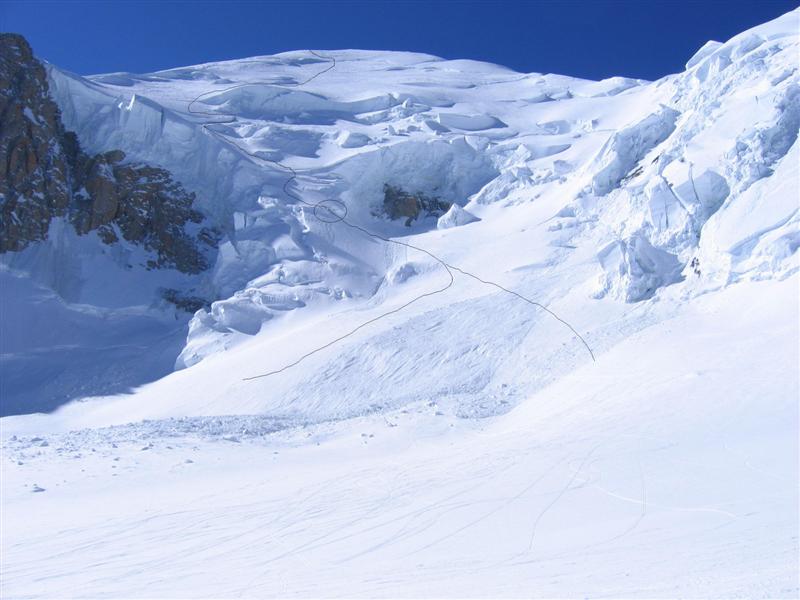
x=185 y=302
x=34 y=176
x=44 y=174
x=399 y=204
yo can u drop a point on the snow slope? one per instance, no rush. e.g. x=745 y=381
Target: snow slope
x=456 y=439
x=663 y=477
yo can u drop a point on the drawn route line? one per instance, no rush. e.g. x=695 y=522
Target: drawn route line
x=331 y=216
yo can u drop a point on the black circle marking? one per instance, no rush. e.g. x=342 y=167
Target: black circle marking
x=325 y=212
x=330 y=211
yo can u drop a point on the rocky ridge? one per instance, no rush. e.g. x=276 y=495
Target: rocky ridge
x=45 y=175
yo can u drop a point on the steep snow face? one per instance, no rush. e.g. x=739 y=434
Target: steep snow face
x=729 y=121
x=574 y=191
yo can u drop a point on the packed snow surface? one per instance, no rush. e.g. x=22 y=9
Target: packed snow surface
x=638 y=438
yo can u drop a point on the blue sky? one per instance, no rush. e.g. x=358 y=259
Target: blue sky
x=593 y=39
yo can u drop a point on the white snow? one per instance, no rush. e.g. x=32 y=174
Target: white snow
x=457 y=440
x=455 y=217
x=664 y=477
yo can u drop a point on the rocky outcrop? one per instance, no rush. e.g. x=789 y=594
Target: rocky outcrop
x=45 y=175
x=35 y=181
x=143 y=205
x=399 y=204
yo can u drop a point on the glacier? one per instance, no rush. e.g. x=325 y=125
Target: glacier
x=406 y=407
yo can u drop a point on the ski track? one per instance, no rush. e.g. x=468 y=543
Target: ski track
x=373 y=408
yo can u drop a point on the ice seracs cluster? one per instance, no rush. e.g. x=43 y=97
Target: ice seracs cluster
x=631 y=187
